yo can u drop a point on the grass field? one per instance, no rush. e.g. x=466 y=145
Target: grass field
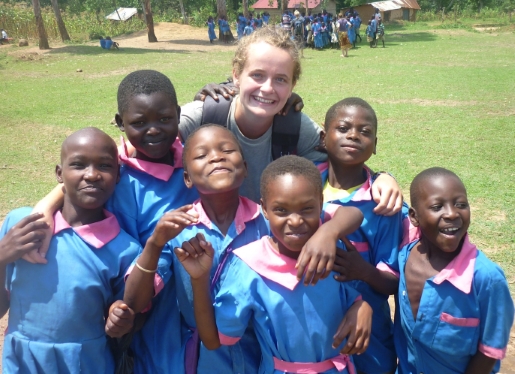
x=443 y=97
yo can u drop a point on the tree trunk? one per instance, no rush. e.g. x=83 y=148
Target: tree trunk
x=284 y=6
x=245 y=6
x=221 y=9
x=43 y=37
x=60 y=22
x=184 y=17
x=150 y=21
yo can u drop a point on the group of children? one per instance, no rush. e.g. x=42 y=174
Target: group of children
x=244 y=26
x=217 y=283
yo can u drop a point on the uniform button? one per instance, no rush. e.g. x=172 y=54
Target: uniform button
x=403 y=293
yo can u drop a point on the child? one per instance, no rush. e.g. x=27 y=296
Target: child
x=357 y=25
x=380 y=31
x=57 y=310
x=317 y=35
x=370 y=34
x=352 y=32
x=151 y=183
x=454 y=306
x=298 y=328
x=248 y=29
x=350 y=140
x=211 y=29
x=343 y=28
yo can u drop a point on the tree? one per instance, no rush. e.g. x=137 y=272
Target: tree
x=221 y=9
x=284 y=6
x=43 y=37
x=60 y=22
x=245 y=6
x=150 y=21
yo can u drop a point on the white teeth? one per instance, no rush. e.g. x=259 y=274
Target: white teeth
x=264 y=101
x=450 y=230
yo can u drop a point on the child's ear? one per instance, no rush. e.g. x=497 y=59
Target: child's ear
x=178 y=114
x=263 y=207
x=119 y=122
x=412 y=213
x=375 y=147
x=187 y=180
x=59 y=173
x=235 y=78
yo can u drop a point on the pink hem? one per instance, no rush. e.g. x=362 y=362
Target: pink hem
x=339 y=362
x=227 y=340
x=496 y=353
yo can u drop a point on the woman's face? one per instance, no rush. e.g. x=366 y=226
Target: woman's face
x=266 y=81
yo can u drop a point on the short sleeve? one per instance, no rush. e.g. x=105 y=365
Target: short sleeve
x=349 y=295
x=191 y=118
x=234 y=302
x=309 y=138
x=385 y=243
x=496 y=316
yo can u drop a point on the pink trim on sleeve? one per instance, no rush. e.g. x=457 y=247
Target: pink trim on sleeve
x=361 y=246
x=383 y=267
x=496 y=353
x=358 y=298
x=158 y=281
x=227 y=340
x=463 y=322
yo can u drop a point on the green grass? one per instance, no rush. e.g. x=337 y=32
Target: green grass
x=444 y=97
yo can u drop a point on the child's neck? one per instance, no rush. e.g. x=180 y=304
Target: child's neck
x=437 y=258
x=221 y=208
x=280 y=248
x=77 y=216
x=168 y=159
x=250 y=126
x=346 y=176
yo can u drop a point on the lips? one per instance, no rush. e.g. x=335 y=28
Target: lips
x=90 y=188
x=451 y=231
x=220 y=169
x=351 y=147
x=263 y=100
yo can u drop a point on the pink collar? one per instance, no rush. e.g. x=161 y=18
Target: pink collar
x=96 y=234
x=267 y=262
x=247 y=211
x=159 y=171
x=460 y=271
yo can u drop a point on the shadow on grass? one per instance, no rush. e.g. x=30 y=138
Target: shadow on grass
x=94 y=50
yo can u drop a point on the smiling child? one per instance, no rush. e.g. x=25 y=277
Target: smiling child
x=57 y=310
x=455 y=309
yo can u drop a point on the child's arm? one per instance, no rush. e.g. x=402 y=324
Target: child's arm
x=318 y=254
x=387 y=194
x=357 y=325
x=22 y=238
x=139 y=288
x=47 y=206
x=480 y=364
x=120 y=319
x=196 y=256
x=351 y=265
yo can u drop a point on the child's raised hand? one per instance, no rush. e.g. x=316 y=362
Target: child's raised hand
x=357 y=325
x=24 y=237
x=171 y=224
x=120 y=319
x=196 y=255
x=349 y=263
x=316 y=258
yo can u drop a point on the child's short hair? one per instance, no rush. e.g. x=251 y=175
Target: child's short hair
x=348 y=102
x=425 y=175
x=144 y=82
x=276 y=38
x=85 y=132
x=294 y=165
x=187 y=143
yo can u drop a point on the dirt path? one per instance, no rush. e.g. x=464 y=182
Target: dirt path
x=173 y=36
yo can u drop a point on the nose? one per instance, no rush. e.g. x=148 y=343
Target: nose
x=352 y=133
x=216 y=155
x=267 y=86
x=295 y=220
x=153 y=129
x=451 y=212
x=91 y=173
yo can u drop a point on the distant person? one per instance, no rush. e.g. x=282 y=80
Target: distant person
x=357 y=25
x=266 y=17
x=225 y=29
x=211 y=29
x=286 y=22
x=380 y=31
x=5 y=38
x=248 y=29
x=114 y=44
x=343 y=28
x=56 y=310
x=258 y=21
x=298 y=32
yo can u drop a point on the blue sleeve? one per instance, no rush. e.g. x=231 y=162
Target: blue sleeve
x=385 y=241
x=129 y=249
x=496 y=314
x=124 y=206
x=234 y=302
x=13 y=218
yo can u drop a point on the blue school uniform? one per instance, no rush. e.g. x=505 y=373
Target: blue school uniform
x=319 y=43
x=351 y=33
x=224 y=26
x=465 y=308
x=294 y=324
x=248 y=226
x=248 y=30
x=266 y=18
x=145 y=192
x=211 y=31
x=377 y=240
x=56 y=318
